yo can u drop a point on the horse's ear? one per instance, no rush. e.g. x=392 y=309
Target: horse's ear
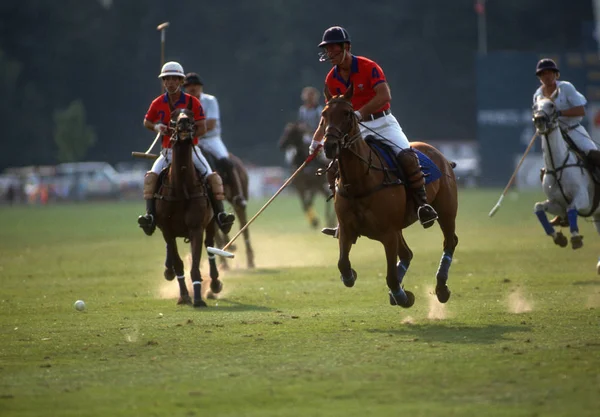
x=349 y=92
x=327 y=94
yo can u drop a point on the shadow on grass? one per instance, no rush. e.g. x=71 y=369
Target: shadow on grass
x=457 y=334
x=256 y=271
x=590 y=282
x=231 y=305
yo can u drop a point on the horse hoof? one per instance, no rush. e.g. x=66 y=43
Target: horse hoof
x=199 y=303
x=184 y=300
x=169 y=274
x=576 y=242
x=216 y=286
x=561 y=240
x=349 y=282
x=398 y=300
x=442 y=292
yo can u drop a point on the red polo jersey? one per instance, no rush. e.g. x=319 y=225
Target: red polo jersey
x=365 y=75
x=160 y=111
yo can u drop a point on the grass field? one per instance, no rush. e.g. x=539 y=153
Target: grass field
x=520 y=335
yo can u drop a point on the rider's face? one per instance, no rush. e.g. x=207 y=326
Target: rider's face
x=172 y=83
x=194 y=90
x=335 y=53
x=548 y=77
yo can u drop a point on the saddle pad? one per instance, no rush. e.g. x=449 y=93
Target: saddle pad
x=430 y=169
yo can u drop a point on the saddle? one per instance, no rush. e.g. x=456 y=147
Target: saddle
x=429 y=168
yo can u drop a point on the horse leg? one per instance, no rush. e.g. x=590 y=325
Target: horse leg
x=572 y=214
x=405 y=255
x=395 y=246
x=243 y=219
x=215 y=284
x=540 y=210
x=348 y=275
x=220 y=242
x=195 y=276
x=308 y=198
x=177 y=266
x=447 y=222
x=169 y=272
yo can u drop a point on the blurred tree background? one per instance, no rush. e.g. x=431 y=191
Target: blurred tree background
x=96 y=63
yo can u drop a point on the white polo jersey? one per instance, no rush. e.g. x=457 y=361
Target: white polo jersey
x=210 y=105
x=567 y=98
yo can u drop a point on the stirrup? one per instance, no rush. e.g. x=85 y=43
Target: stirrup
x=427 y=222
x=146 y=222
x=225 y=221
x=330 y=231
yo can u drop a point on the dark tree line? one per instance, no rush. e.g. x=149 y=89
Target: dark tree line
x=255 y=56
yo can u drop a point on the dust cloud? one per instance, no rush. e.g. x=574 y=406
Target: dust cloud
x=436 y=310
x=517 y=303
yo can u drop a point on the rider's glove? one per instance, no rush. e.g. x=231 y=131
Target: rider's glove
x=159 y=127
x=315 y=146
x=358 y=115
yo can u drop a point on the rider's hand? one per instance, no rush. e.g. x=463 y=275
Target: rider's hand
x=159 y=127
x=315 y=146
x=358 y=115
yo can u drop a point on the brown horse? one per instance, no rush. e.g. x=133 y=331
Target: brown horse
x=183 y=210
x=307 y=183
x=240 y=209
x=368 y=204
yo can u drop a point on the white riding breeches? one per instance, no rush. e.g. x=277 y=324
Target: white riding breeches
x=388 y=127
x=215 y=146
x=582 y=139
x=165 y=158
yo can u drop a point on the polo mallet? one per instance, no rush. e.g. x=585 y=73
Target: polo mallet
x=223 y=252
x=162 y=28
x=147 y=154
x=514 y=175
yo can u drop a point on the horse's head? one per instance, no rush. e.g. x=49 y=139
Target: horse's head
x=340 y=122
x=545 y=117
x=183 y=124
x=292 y=135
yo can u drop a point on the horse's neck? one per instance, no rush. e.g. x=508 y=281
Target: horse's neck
x=355 y=165
x=182 y=167
x=555 y=149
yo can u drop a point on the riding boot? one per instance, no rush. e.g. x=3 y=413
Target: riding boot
x=216 y=196
x=409 y=161
x=147 y=220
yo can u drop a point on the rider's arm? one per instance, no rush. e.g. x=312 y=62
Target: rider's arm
x=149 y=125
x=210 y=124
x=320 y=132
x=576 y=111
x=200 y=127
x=383 y=95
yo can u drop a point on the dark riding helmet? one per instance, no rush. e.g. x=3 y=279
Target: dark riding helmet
x=191 y=78
x=546 y=64
x=335 y=34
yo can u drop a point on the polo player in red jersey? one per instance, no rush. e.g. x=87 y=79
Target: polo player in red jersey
x=157 y=119
x=371 y=102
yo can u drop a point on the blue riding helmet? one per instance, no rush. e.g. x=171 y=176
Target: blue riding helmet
x=546 y=64
x=335 y=34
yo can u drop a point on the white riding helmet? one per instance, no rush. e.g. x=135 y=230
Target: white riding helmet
x=172 y=68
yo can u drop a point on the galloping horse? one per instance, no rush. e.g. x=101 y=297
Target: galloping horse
x=240 y=209
x=183 y=210
x=567 y=181
x=307 y=183
x=371 y=200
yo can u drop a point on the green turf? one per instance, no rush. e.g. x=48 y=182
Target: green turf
x=519 y=336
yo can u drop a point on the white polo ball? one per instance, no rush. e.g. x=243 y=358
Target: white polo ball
x=79 y=305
